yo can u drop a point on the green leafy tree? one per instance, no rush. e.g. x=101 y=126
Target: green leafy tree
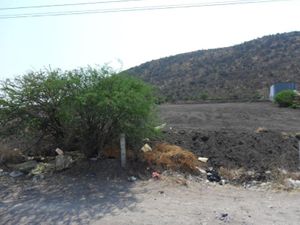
x=285 y=98
x=83 y=109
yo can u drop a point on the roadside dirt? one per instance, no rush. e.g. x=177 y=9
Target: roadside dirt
x=226 y=133
x=68 y=199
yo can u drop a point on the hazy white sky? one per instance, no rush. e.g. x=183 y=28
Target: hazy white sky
x=69 y=42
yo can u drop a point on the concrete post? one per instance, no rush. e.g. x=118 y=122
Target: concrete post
x=299 y=154
x=123 y=150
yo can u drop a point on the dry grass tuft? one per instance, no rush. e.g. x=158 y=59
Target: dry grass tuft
x=231 y=174
x=173 y=157
x=10 y=155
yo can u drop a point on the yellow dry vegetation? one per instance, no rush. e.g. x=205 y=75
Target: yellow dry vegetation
x=173 y=157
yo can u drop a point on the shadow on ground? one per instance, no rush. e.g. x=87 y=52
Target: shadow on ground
x=64 y=199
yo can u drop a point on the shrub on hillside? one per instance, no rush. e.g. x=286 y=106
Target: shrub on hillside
x=285 y=98
x=84 y=109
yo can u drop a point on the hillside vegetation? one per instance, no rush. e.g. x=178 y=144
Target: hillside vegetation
x=244 y=71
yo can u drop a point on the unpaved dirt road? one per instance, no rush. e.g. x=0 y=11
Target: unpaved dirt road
x=235 y=116
x=72 y=200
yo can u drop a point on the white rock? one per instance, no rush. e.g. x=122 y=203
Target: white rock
x=203 y=159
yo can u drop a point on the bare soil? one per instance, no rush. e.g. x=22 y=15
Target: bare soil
x=226 y=134
x=99 y=192
x=232 y=116
x=69 y=199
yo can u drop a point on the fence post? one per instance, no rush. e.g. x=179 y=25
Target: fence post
x=299 y=154
x=123 y=150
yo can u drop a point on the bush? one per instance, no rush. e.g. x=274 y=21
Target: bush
x=83 y=109
x=285 y=98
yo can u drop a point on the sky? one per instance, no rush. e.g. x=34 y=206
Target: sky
x=127 y=39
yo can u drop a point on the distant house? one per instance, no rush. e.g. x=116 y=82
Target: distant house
x=278 y=87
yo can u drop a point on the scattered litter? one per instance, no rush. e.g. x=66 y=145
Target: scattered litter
x=223 y=182
x=132 y=178
x=146 y=148
x=42 y=168
x=223 y=217
x=291 y=183
x=16 y=174
x=155 y=175
x=203 y=159
x=59 y=151
x=213 y=176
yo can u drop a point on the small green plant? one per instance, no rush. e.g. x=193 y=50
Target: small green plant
x=285 y=98
x=204 y=96
x=84 y=109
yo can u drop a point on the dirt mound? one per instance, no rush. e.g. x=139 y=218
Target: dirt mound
x=240 y=149
x=173 y=157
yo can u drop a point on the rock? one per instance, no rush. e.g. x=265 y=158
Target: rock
x=146 y=148
x=24 y=167
x=160 y=127
x=63 y=162
x=16 y=174
x=201 y=170
x=38 y=177
x=59 y=151
x=205 y=138
x=3 y=173
x=203 y=159
x=291 y=183
x=182 y=132
x=261 y=130
x=132 y=178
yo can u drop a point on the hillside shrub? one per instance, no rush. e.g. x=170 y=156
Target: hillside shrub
x=285 y=98
x=84 y=109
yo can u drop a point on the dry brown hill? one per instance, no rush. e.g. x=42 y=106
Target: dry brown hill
x=244 y=71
